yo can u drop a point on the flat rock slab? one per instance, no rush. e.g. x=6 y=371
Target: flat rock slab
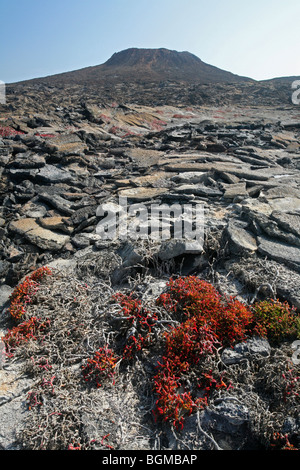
x=173 y=248
x=58 y=202
x=241 y=242
x=50 y=174
x=142 y=194
x=34 y=209
x=289 y=222
x=280 y=252
x=144 y=158
x=190 y=177
x=13 y=406
x=56 y=223
x=240 y=171
x=282 y=191
x=274 y=230
x=5 y=292
x=151 y=179
x=28 y=160
x=267 y=206
x=69 y=144
x=198 y=190
x=236 y=190
x=39 y=236
x=285 y=204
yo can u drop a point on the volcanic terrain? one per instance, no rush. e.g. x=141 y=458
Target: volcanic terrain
x=157 y=127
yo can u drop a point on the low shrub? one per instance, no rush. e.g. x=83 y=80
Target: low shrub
x=209 y=320
x=33 y=328
x=185 y=347
x=24 y=292
x=139 y=324
x=100 y=367
x=276 y=320
x=195 y=298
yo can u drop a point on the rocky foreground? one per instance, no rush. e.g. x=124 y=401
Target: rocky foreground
x=59 y=161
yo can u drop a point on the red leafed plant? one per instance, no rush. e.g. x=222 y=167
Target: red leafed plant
x=100 y=367
x=192 y=297
x=140 y=322
x=6 y=131
x=158 y=124
x=30 y=329
x=208 y=320
x=23 y=293
x=186 y=346
x=189 y=342
x=280 y=442
x=173 y=405
x=184 y=294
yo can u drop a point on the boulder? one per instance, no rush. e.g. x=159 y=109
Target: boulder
x=254 y=348
x=173 y=248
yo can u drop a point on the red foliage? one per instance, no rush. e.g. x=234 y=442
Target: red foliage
x=292 y=381
x=6 y=131
x=30 y=329
x=100 y=367
x=187 y=343
x=171 y=404
x=74 y=447
x=198 y=299
x=104 y=117
x=186 y=346
x=209 y=320
x=24 y=292
x=44 y=135
x=140 y=320
x=280 y=442
x=114 y=130
x=158 y=124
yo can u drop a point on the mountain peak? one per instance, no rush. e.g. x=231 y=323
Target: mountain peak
x=155 y=57
x=165 y=64
x=147 y=65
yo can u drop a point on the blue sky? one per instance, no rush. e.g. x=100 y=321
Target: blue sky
x=258 y=39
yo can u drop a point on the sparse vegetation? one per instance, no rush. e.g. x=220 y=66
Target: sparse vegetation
x=90 y=345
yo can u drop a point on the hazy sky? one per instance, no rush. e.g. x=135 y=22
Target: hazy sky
x=258 y=39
